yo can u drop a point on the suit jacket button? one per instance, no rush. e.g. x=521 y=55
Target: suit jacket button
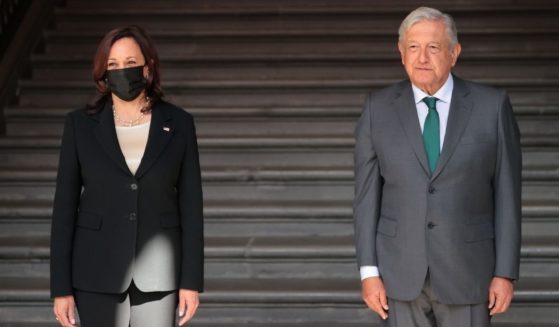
x=134 y=186
x=432 y=190
x=431 y=225
x=132 y=216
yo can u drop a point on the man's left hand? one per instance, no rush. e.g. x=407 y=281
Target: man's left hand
x=500 y=295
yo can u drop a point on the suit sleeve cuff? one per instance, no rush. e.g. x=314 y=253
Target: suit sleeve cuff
x=368 y=271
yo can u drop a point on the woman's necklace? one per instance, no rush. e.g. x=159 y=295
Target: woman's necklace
x=128 y=123
x=133 y=122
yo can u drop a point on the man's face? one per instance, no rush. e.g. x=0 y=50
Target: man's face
x=426 y=55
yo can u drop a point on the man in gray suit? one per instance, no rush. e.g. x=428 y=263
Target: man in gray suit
x=437 y=189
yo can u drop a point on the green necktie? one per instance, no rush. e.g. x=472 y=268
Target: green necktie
x=431 y=133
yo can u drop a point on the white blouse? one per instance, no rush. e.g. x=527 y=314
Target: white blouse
x=133 y=141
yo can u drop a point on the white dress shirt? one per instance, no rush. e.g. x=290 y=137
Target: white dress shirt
x=444 y=96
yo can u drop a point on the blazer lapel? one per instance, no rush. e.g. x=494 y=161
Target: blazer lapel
x=160 y=132
x=458 y=117
x=407 y=112
x=105 y=133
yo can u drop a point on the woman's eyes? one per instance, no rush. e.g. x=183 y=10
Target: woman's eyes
x=129 y=63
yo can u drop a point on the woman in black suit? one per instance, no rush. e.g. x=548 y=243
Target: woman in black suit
x=127 y=228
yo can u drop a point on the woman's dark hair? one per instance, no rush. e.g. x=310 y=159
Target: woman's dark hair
x=153 y=85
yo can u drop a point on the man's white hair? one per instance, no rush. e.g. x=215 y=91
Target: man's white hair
x=426 y=13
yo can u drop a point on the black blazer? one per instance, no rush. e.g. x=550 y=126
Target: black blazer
x=110 y=226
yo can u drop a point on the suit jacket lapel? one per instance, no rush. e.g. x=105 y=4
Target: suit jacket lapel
x=407 y=112
x=105 y=133
x=458 y=117
x=160 y=132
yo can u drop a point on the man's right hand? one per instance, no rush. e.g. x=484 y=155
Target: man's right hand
x=64 y=310
x=374 y=295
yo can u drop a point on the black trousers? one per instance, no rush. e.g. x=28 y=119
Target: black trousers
x=132 y=308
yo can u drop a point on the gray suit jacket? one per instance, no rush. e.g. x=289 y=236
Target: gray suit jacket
x=461 y=223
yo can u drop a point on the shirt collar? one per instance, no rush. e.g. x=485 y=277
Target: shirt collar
x=444 y=94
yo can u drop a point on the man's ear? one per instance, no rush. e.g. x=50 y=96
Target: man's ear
x=402 y=51
x=455 y=53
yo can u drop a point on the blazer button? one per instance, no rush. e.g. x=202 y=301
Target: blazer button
x=432 y=190
x=132 y=216
x=431 y=225
x=134 y=186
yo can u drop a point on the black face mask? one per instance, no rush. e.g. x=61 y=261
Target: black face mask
x=126 y=83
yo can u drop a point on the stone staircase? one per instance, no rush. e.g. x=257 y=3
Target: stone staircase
x=276 y=87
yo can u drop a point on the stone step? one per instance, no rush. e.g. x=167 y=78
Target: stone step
x=276 y=21
x=306 y=25
x=39 y=314
x=295 y=6
x=209 y=175
x=304 y=300
x=237 y=142
x=268 y=93
x=265 y=247
x=279 y=189
x=350 y=83
x=265 y=220
x=228 y=113
x=255 y=192
x=254 y=268
x=533 y=126
x=269 y=154
x=33 y=121
x=182 y=69
x=278 y=268
x=277 y=291
x=18 y=247
x=544 y=171
x=372 y=323
x=265 y=257
x=284 y=250
x=541 y=248
x=293 y=48
x=328 y=210
x=253 y=153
